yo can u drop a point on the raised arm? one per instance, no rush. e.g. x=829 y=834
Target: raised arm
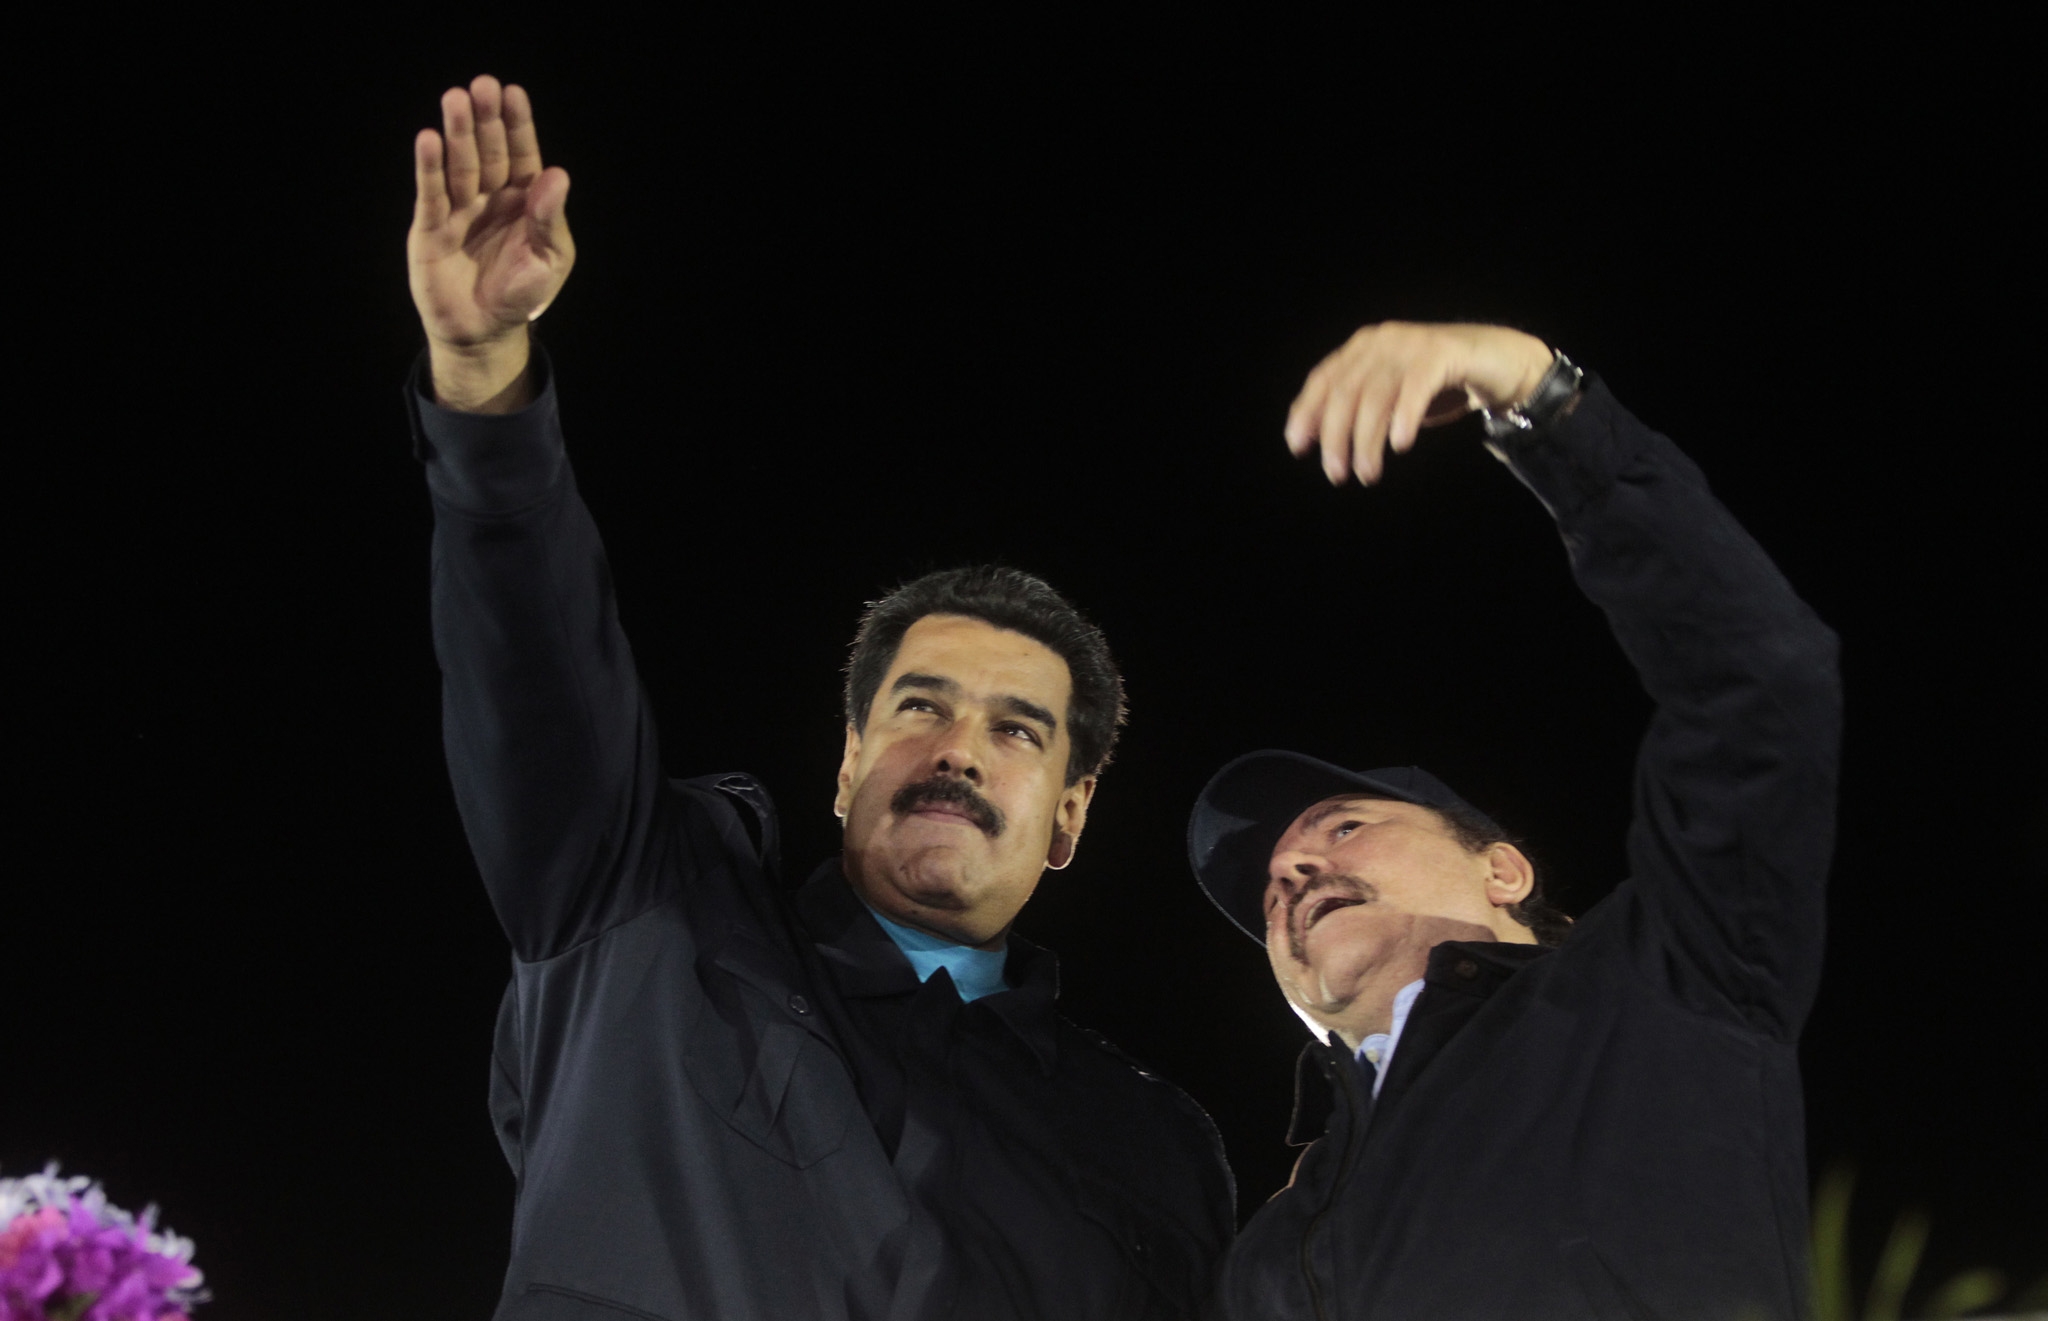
x=550 y=747
x=1735 y=782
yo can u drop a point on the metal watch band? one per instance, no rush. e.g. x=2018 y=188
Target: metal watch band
x=1557 y=388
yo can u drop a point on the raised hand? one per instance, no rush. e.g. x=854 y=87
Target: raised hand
x=489 y=246
x=1390 y=380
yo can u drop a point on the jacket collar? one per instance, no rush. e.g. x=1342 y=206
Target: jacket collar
x=1491 y=962
x=865 y=963
x=1316 y=1083
x=1033 y=972
x=1461 y=976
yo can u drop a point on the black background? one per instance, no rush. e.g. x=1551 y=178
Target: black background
x=855 y=303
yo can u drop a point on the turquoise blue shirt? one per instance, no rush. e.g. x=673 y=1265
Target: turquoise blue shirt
x=975 y=972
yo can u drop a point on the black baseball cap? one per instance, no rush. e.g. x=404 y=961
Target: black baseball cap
x=1248 y=805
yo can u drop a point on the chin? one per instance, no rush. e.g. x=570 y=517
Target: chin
x=1323 y=1018
x=1328 y=995
x=1333 y=975
x=934 y=877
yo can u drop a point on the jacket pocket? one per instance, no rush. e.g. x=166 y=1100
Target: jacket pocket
x=788 y=1106
x=1162 y=1258
x=1607 y=1298
x=549 y=1302
x=774 y=1083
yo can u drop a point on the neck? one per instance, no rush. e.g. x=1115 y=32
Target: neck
x=1366 y=1007
x=1371 y=1010
x=921 y=938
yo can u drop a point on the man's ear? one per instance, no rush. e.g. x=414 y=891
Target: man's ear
x=842 y=802
x=1512 y=877
x=1068 y=820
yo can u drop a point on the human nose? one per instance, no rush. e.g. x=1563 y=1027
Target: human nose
x=959 y=753
x=1292 y=870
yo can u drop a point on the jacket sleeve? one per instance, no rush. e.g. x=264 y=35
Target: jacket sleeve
x=1734 y=798
x=550 y=743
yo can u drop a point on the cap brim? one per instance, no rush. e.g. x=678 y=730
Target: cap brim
x=1242 y=813
x=1249 y=804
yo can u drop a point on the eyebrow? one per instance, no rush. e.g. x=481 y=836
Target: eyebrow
x=1012 y=705
x=1019 y=706
x=1321 y=814
x=937 y=683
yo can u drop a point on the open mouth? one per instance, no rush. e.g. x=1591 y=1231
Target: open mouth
x=1323 y=906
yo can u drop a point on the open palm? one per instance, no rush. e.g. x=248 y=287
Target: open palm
x=489 y=246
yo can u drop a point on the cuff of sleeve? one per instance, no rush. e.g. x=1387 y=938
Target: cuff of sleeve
x=487 y=463
x=1572 y=463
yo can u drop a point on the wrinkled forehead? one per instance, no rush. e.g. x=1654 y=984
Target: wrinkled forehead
x=979 y=659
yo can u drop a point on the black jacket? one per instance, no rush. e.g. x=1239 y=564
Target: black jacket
x=1613 y=1129
x=721 y=1100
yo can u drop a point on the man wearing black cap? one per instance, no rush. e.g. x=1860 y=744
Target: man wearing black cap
x=1507 y=1114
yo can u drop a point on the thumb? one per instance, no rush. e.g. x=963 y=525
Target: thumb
x=548 y=231
x=545 y=203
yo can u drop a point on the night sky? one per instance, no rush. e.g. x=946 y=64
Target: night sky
x=855 y=304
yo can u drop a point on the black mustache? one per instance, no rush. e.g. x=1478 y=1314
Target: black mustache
x=954 y=793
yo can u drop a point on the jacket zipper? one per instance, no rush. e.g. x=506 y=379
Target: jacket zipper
x=1352 y=1137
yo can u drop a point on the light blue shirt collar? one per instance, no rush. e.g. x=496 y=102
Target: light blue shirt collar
x=1378 y=1049
x=975 y=972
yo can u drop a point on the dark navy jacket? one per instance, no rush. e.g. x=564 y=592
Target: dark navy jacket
x=1612 y=1130
x=721 y=1100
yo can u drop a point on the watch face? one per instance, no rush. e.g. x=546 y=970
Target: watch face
x=1557 y=387
x=1507 y=422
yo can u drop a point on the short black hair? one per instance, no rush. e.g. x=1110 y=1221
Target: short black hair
x=1475 y=833
x=1015 y=600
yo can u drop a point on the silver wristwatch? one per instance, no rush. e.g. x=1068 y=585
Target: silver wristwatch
x=1559 y=386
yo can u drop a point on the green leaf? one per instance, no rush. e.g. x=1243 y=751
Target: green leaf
x=1831 y=1297
x=1966 y=1293
x=1895 y=1268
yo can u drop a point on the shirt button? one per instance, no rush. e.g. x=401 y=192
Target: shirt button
x=1467 y=969
x=799 y=1005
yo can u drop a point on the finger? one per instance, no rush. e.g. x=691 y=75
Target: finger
x=521 y=141
x=430 y=200
x=458 y=126
x=1307 y=407
x=1369 y=426
x=1419 y=388
x=1334 y=429
x=488 y=99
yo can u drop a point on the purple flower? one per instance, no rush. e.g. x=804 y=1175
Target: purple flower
x=66 y=1255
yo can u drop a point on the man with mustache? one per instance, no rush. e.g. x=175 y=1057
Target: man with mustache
x=1507 y=1114
x=720 y=1099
